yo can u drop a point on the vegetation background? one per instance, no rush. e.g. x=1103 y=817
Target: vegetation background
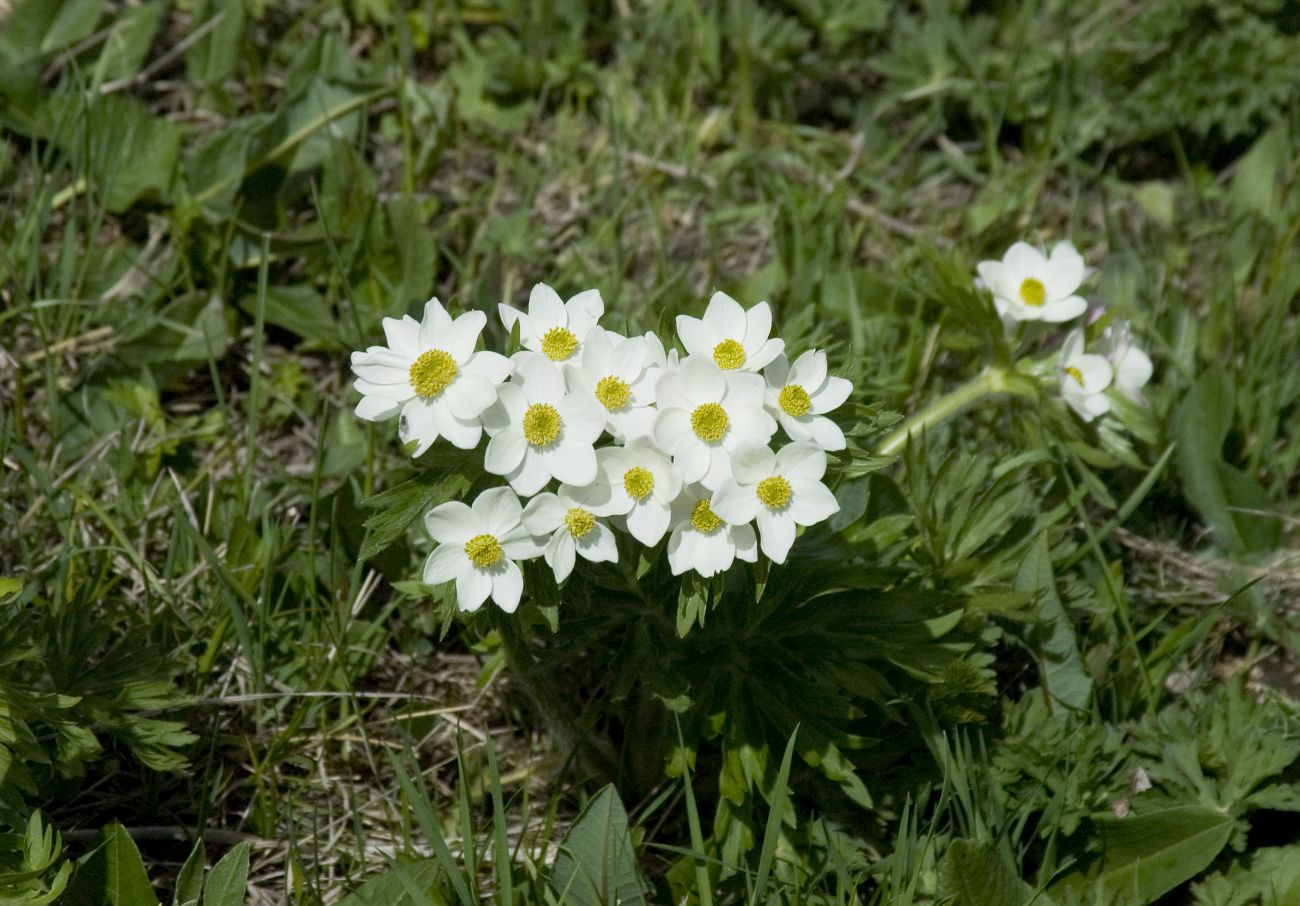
x=1076 y=679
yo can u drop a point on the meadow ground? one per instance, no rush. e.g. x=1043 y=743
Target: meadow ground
x=1033 y=659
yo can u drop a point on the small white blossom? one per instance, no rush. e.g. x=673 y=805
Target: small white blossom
x=552 y=327
x=573 y=527
x=1132 y=366
x=1029 y=286
x=800 y=397
x=430 y=376
x=540 y=431
x=478 y=546
x=702 y=540
x=729 y=336
x=704 y=414
x=780 y=490
x=1084 y=378
x=639 y=483
x=615 y=370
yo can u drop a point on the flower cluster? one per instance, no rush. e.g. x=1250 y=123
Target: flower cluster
x=636 y=437
x=1028 y=285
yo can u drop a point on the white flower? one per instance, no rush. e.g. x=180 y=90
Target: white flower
x=478 y=547
x=705 y=414
x=800 y=396
x=1084 y=378
x=1029 y=286
x=729 y=336
x=638 y=482
x=780 y=490
x=702 y=540
x=554 y=328
x=430 y=375
x=1132 y=366
x=659 y=361
x=573 y=527
x=614 y=370
x=538 y=431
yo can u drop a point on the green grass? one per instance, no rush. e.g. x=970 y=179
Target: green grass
x=205 y=206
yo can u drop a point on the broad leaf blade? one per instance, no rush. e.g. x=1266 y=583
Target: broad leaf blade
x=1149 y=855
x=597 y=865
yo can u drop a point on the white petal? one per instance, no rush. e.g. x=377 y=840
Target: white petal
x=830 y=395
x=693 y=460
x=725 y=318
x=505 y=451
x=752 y=462
x=469 y=395
x=1065 y=271
x=451 y=523
x=695 y=336
x=1132 y=372
x=713 y=553
x=1023 y=260
x=825 y=433
x=509 y=315
x=679 y=550
x=1063 y=309
x=508 y=410
x=777 y=371
x=541 y=379
x=545 y=310
x=749 y=423
x=744 y=542
x=647 y=522
x=459 y=432
x=543 y=514
x=673 y=430
x=419 y=423
x=583 y=418
x=403 y=336
x=719 y=467
x=1096 y=372
x=491 y=365
x=507 y=586
x=531 y=475
x=378 y=409
x=518 y=544
x=776 y=532
x=433 y=325
x=584 y=310
x=744 y=389
x=811 y=502
x=758 y=327
x=497 y=510
x=571 y=462
x=560 y=555
x=809 y=370
x=461 y=336
x=765 y=354
x=598 y=545
x=735 y=503
x=445 y=563
x=800 y=461
x=472 y=589
x=701 y=381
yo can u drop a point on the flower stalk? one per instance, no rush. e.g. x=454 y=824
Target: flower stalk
x=991 y=381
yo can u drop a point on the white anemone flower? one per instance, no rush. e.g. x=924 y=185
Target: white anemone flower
x=1029 y=286
x=540 y=431
x=552 y=327
x=800 y=396
x=702 y=540
x=704 y=414
x=729 y=336
x=573 y=527
x=430 y=376
x=638 y=483
x=478 y=546
x=1084 y=378
x=780 y=490
x=1132 y=366
x=615 y=370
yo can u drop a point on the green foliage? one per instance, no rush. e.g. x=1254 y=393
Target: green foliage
x=596 y=865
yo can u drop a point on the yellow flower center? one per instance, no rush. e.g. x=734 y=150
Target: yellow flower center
x=1032 y=292
x=558 y=343
x=794 y=400
x=484 y=551
x=542 y=424
x=579 y=522
x=1075 y=373
x=639 y=483
x=432 y=372
x=773 y=492
x=703 y=519
x=709 y=422
x=612 y=392
x=729 y=355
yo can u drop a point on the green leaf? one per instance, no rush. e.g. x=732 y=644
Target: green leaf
x=112 y=874
x=214 y=56
x=772 y=833
x=1146 y=856
x=9 y=588
x=393 y=887
x=1064 y=675
x=228 y=882
x=596 y=865
x=128 y=42
x=399 y=506
x=75 y=20
x=189 y=883
x=974 y=874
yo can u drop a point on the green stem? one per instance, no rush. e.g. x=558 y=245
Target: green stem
x=989 y=382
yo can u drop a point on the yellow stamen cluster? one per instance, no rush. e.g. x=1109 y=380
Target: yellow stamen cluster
x=639 y=483
x=729 y=355
x=558 y=343
x=773 y=492
x=613 y=392
x=1032 y=292
x=484 y=551
x=709 y=422
x=794 y=400
x=579 y=522
x=432 y=372
x=1075 y=373
x=542 y=424
x=703 y=519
